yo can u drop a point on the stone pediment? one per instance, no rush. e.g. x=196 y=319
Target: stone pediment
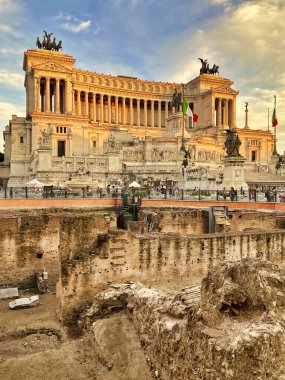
x=226 y=90
x=52 y=67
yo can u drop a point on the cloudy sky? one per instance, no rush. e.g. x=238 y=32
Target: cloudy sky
x=157 y=40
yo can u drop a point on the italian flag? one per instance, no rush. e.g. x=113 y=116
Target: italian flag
x=187 y=111
x=274 y=118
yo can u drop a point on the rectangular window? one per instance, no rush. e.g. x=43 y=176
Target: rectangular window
x=60 y=148
x=94 y=144
x=253 y=156
x=21 y=140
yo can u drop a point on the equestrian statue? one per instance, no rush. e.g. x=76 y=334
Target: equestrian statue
x=176 y=100
x=47 y=43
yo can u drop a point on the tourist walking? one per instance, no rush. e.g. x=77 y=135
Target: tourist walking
x=232 y=194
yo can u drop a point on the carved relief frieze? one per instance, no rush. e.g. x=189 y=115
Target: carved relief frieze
x=52 y=67
x=226 y=90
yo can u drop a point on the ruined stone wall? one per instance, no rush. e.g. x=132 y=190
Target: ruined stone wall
x=196 y=221
x=29 y=241
x=126 y=256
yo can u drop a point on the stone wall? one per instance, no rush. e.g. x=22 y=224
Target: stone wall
x=29 y=241
x=153 y=258
x=196 y=221
x=82 y=248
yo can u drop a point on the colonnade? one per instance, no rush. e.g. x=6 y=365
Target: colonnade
x=52 y=95
x=58 y=96
x=225 y=112
x=106 y=108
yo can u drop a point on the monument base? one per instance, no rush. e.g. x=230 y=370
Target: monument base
x=234 y=173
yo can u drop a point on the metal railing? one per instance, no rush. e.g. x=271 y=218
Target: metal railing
x=176 y=194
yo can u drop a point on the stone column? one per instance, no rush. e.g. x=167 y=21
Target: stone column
x=223 y=113
x=102 y=107
x=28 y=144
x=109 y=109
x=124 y=110
x=39 y=99
x=57 y=96
x=94 y=116
x=116 y=110
x=131 y=112
x=219 y=112
x=68 y=99
x=226 y=113
x=78 y=103
x=247 y=148
x=35 y=107
x=145 y=112
x=138 y=113
x=35 y=97
x=152 y=113
x=159 y=113
x=166 y=110
x=47 y=95
x=234 y=113
x=86 y=103
x=73 y=99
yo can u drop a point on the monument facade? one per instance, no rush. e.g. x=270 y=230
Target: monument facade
x=84 y=128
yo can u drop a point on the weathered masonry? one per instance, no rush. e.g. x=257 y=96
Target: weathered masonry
x=82 y=249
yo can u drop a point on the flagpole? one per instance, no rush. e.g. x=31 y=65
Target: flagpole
x=183 y=127
x=275 y=134
x=268 y=119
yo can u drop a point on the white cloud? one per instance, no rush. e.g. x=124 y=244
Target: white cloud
x=6 y=112
x=11 y=79
x=73 y=24
x=8 y=109
x=247 y=46
x=221 y=2
x=10 y=6
x=77 y=27
x=4 y=28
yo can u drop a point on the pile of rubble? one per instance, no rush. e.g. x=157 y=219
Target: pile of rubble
x=231 y=328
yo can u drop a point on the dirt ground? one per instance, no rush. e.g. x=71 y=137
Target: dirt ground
x=34 y=345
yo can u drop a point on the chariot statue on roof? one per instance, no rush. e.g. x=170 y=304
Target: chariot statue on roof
x=47 y=43
x=205 y=69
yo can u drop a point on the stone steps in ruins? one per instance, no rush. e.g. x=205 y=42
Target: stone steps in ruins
x=191 y=295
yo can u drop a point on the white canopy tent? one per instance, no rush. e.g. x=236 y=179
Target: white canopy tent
x=134 y=184
x=34 y=183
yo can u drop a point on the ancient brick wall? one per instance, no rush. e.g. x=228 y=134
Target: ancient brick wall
x=126 y=256
x=196 y=221
x=29 y=241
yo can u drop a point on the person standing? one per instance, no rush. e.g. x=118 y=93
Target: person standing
x=45 y=281
x=232 y=194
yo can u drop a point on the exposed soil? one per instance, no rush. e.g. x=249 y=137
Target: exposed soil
x=35 y=346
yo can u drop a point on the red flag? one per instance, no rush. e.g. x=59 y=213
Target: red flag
x=195 y=118
x=274 y=118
